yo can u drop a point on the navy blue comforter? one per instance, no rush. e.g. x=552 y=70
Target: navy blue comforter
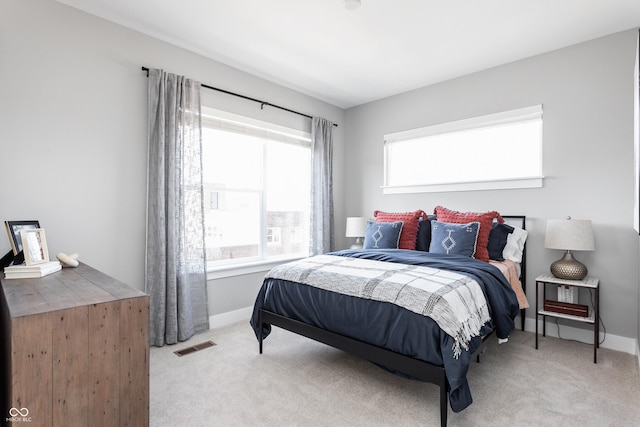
x=389 y=326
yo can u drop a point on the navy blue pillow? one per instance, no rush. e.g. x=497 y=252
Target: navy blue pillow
x=498 y=240
x=382 y=235
x=424 y=233
x=458 y=239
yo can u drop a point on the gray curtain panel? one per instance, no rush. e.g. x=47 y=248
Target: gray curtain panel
x=176 y=255
x=322 y=239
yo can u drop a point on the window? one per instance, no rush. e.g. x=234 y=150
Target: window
x=257 y=182
x=274 y=235
x=497 y=151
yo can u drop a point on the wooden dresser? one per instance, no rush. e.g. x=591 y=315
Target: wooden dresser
x=75 y=351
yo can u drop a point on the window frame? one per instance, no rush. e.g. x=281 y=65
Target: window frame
x=227 y=121
x=481 y=122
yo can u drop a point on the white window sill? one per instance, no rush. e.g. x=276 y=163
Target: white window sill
x=507 y=184
x=247 y=268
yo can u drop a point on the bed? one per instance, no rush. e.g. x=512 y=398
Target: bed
x=317 y=298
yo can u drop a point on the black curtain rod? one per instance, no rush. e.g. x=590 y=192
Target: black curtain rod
x=262 y=103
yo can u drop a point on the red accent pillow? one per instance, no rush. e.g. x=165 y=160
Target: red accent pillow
x=485 y=219
x=409 y=233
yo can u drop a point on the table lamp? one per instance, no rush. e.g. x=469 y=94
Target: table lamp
x=356 y=226
x=569 y=235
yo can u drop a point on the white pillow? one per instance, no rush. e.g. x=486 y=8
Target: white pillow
x=515 y=245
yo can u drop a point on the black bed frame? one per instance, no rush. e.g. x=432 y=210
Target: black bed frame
x=419 y=369
x=520 y=221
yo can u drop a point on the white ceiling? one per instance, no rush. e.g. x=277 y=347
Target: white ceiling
x=385 y=47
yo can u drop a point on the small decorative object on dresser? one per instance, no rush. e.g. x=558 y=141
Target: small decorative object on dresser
x=13 y=229
x=68 y=260
x=34 y=245
x=569 y=235
x=23 y=271
x=16 y=255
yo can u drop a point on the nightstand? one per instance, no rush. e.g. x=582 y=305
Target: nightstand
x=564 y=310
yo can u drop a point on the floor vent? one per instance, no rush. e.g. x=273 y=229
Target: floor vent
x=194 y=348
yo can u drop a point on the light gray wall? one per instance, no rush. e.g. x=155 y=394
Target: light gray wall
x=73 y=133
x=587 y=94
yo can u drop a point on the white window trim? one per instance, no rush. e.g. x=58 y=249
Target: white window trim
x=520 y=114
x=242 y=269
x=505 y=184
x=246 y=125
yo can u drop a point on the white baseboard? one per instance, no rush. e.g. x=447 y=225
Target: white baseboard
x=612 y=342
x=230 y=317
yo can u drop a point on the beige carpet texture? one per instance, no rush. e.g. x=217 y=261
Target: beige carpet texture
x=299 y=382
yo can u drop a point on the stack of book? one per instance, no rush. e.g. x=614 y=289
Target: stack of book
x=24 y=271
x=566 y=308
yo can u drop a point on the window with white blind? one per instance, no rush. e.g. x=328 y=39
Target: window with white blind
x=257 y=190
x=496 y=151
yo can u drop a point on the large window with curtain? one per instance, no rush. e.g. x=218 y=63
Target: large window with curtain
x=256 y=190
x=495 y=151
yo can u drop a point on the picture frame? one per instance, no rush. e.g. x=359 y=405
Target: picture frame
x=34 y=246
x=13 y=229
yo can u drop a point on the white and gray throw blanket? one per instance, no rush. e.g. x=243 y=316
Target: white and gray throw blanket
x=454 y=301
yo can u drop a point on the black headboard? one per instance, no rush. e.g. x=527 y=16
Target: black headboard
x=520 y=222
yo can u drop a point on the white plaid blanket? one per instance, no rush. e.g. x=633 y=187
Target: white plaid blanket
x=454 y=301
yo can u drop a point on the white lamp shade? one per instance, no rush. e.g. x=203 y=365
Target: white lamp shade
x=569 y=234
x=356 y=226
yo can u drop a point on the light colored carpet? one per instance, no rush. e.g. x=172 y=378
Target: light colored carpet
x=298 y=382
